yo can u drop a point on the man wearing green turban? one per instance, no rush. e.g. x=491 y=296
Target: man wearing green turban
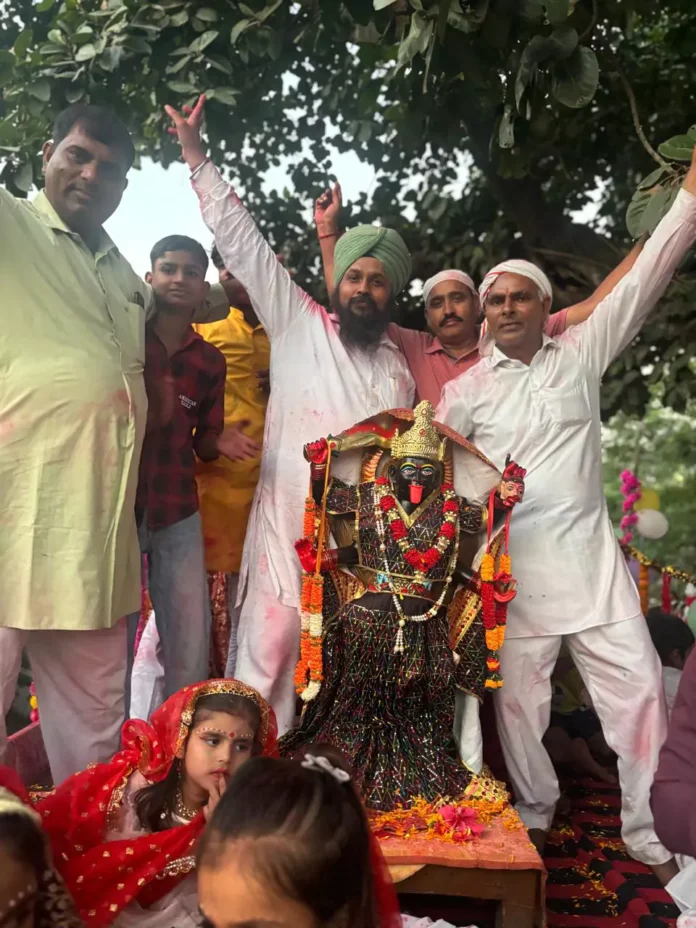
x=328 y=371
x=371 y=267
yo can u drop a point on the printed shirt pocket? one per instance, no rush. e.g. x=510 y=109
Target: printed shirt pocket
x=567 y=405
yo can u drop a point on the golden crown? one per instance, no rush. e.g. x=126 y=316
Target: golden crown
x=422 y=440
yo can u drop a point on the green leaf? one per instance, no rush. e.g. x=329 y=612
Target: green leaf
x=23 y=42
x=531 y=9
x=557 y=11
x=653 y=178
x=657 y=206
x=383 y=4
x=56 y=36
x=85 y=52
x=268 y=11
x=239 y=28
x=506 y=129
x=180 y=65
x=40 y=89
x=219 y=62
x=207 y=14
x=634 y=213
x=110 y=58
x=201 y=42
x=535 y=51
x=23 y=177
x=562 y=42
x=181 y=87
x=416 y=40
x=224 y=94
x=73 y=94
x=137 y=44
x=575 y=80
x=678 y=148
x=44 y=5
x=179 y=19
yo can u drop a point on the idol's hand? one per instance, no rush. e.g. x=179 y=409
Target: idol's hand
x=327 y=210
x=317 y=452
x=187 y=127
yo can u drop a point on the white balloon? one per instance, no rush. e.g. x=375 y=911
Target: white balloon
x=651 y=523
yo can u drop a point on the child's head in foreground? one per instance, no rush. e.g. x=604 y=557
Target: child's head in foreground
x=288 y=846
x=672 y=637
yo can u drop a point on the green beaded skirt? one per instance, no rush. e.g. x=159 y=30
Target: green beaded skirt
x=392 y=715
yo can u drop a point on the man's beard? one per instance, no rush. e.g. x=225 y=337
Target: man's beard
x=363 y=332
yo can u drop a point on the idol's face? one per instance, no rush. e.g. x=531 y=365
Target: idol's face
x=414 y=479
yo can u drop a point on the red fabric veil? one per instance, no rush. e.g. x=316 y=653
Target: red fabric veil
x=388 y=910
x=105 y=876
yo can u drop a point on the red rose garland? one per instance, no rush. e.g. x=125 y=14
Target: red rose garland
x=425 y=560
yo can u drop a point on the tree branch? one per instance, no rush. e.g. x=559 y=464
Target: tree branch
x=592 y=23
x=643 y=139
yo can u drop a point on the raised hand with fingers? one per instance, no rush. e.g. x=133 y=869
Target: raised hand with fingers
x=187 y=128
x=327 y=210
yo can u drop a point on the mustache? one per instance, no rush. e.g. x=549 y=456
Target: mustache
x=366 y=299
x=451 y=317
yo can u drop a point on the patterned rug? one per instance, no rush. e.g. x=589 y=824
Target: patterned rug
x=591 y=877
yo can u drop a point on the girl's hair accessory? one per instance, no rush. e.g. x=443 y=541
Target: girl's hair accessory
x=323 y=765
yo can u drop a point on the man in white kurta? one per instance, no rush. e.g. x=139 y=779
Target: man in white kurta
x=319 y=386
x=572 y=579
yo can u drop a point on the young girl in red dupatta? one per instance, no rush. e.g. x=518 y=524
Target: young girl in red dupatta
x=124 y=834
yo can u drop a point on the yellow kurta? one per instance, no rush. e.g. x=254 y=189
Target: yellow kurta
x=72 y=416
x=226 y=488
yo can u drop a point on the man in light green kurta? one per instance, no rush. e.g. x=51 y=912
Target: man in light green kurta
x=72 y=416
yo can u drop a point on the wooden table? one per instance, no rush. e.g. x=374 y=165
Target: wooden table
x=502 y=865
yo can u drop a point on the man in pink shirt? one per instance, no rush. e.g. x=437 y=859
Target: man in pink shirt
x=452 y=311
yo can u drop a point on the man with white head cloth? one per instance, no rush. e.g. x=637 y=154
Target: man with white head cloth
x=538 y=398
x=452 y=311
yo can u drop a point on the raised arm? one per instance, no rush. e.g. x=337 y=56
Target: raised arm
x=579 y=312
x=619 y=316
x=277 y=300
x=327 y=218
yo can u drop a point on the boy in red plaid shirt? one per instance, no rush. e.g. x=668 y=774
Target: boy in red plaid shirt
x=185 y=379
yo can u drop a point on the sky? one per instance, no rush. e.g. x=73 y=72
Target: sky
x=160 y=202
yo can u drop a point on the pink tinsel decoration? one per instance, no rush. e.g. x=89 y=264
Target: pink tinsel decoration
x=631 y=490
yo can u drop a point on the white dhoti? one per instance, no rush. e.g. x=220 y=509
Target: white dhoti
x=268 y=642
x=622 y=673
x=80 y=682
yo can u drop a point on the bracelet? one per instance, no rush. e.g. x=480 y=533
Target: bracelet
x=330 y=235
x=196 y=171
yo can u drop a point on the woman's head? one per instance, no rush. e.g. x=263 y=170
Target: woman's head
x=23 y=860
x=224 y=733
x=289 y=845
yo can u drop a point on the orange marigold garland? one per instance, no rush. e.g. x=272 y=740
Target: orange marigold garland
x=497 y=590
x=309 y=672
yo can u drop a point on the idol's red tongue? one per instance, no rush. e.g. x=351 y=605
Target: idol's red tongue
x=416 y=492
